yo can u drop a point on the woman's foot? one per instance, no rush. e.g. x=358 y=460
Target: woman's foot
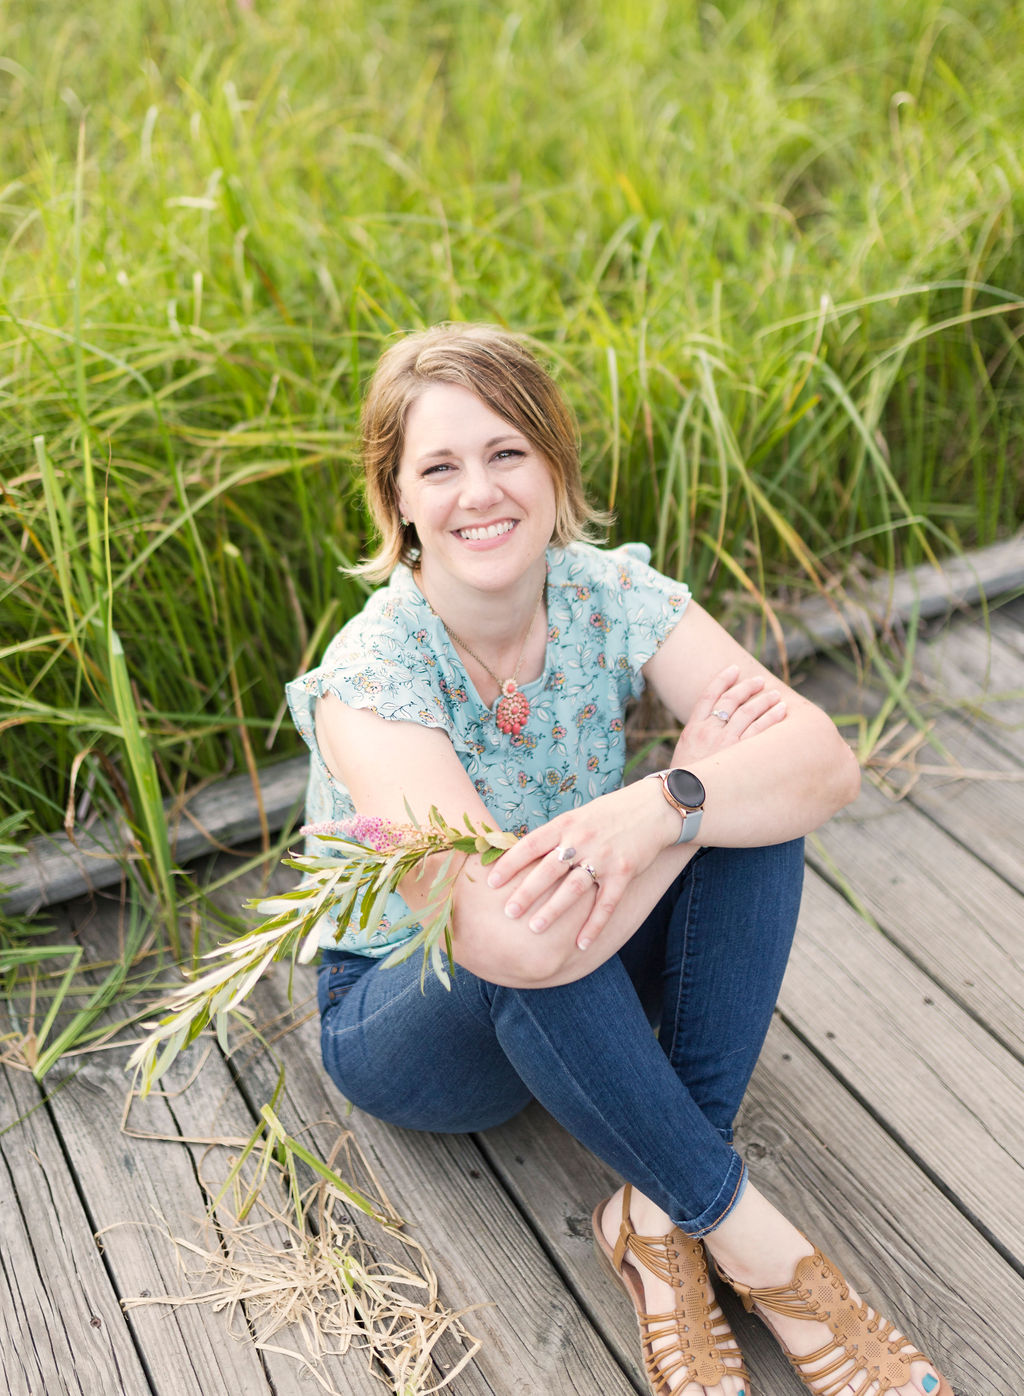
x=761 y=1254
x=683 y=1331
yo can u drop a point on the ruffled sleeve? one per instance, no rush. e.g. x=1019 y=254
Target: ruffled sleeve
x=618 y=611
x=651 y=603
x=381 y=661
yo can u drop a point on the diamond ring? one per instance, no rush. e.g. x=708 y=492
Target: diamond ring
x=593 y=875
x=721 y=714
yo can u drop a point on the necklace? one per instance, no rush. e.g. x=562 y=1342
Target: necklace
x=513 y=706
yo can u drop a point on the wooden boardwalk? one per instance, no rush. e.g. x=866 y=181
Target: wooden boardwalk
x=886 y=1116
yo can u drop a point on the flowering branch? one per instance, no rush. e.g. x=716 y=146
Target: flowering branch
x=373 y=857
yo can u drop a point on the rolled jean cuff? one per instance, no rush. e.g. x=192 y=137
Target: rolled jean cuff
x=729 y=1194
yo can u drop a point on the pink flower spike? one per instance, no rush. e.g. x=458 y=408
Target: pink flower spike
x=370 y=830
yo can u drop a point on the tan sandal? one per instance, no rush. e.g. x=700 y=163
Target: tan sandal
x=865 y=1348
x=701 y=1347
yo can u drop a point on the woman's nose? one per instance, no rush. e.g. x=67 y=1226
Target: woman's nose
x=480 y=490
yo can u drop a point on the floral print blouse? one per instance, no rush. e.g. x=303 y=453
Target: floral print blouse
x=608 y=612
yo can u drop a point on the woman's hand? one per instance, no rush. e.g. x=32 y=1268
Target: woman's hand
x=728 y=711
x=620 y=834
x=617 y=835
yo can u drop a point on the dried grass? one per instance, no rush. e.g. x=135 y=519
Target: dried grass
x=305 y=1284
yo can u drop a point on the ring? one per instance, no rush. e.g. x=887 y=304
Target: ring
x=593 y=875
x=565 y=853
x=721 y=714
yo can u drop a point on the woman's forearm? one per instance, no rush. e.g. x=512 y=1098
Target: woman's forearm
x=780 y=785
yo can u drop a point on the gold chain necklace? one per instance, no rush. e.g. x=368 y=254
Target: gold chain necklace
x=513 y=706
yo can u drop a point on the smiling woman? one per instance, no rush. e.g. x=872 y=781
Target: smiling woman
x=671 y=900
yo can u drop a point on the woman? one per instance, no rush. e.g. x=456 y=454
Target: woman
x=489 y=678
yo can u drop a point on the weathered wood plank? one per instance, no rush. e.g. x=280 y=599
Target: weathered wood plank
x=982 y=810
x=535 y=1336
x=937 y=901
x=134 y=1189
x=55 y=869
x=819 y=624
x=826 y=1163
x=203 y=1105
x=940 y=1083
x=208 y=1105
x=984 y=672
x=62 y=1329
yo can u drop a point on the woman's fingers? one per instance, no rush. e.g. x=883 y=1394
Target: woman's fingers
x=752 y=709
x=528 y=850
x=577 y=883
x=767 y=719
x=605 y=902
x=546 y=874
x=715 y=691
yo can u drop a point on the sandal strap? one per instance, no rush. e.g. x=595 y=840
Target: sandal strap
x=864 y=1346
x=689 y=1344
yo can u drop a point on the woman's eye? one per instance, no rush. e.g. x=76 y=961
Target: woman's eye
x=436 y=469
x=509 y=453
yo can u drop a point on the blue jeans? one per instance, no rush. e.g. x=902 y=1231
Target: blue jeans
x=705 y=967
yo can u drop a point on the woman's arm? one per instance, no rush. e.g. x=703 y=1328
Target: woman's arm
x=777 y=770
x=772 y=778
x=384 y=764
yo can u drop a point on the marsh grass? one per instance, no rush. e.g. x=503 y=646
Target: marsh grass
x=772 y=252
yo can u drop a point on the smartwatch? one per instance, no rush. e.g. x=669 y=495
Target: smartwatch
x=685 y=793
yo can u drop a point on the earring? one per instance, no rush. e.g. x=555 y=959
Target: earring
x=403 y=521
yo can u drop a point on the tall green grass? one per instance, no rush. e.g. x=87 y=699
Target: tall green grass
x=772 y=250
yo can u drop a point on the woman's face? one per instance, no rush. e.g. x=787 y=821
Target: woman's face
x=481 y=496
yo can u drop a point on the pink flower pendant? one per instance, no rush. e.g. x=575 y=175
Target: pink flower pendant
x=513 y=709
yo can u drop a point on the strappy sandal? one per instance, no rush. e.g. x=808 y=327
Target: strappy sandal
x=700 y=1346
x=865 y=1348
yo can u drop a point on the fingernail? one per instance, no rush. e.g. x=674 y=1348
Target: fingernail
x=513 y=909
x=494 y=880
x=929 y=1383
x=538 y=924
x=583 y=944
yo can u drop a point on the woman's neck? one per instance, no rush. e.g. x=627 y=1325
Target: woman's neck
x=499 y=626
x=494 y=619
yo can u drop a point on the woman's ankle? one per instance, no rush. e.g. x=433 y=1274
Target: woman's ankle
x=756 y=1244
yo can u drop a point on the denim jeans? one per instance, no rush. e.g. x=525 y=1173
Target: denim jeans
x=705 y=968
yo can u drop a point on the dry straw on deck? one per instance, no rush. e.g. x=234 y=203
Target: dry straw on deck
x=306 y=1285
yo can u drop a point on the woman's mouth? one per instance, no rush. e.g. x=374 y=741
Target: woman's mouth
x=494 y=530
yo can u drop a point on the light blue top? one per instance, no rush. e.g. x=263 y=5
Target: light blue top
x=608 y=612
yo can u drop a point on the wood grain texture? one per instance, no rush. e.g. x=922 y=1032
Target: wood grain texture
x=138 y=1192
x=936 y=1078
x=823 y=1159
x=56 y=868
x=62 y=1328
x=934 y=898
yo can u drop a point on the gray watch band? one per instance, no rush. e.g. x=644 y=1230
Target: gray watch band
x=691 y=825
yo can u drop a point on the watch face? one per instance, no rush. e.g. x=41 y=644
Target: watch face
x=684 y=787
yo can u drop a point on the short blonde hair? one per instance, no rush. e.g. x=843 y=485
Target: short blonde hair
x=499 y=368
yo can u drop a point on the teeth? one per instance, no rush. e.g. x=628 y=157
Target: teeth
x=473 y=535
